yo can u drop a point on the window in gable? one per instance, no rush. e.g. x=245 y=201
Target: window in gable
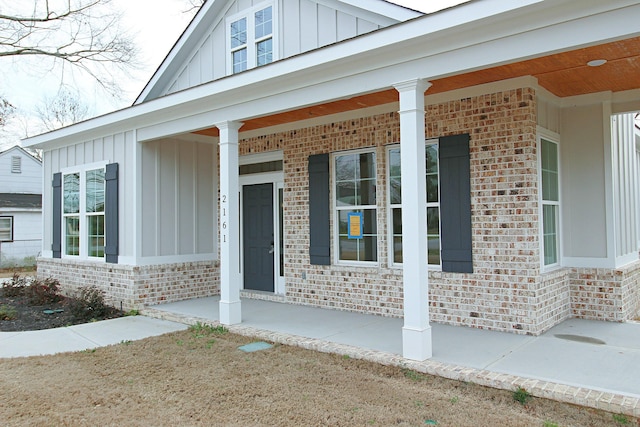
x=251 y=38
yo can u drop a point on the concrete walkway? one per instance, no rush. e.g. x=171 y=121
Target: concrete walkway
x=83 y=337
x=589 y=363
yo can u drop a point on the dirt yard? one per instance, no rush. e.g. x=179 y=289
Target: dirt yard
x=199 y=377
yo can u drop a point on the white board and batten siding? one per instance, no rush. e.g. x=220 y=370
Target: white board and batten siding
x=179 y=211
x=304 y=25
x=626 y=185
x=175 y=189
x=29 y=178
x=118 y=148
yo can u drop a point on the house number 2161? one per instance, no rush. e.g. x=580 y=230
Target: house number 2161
x=223 y=200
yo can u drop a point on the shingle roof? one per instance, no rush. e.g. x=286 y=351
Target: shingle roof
x=12 y=200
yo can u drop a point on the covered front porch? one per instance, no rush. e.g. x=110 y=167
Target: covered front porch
x=580 y=361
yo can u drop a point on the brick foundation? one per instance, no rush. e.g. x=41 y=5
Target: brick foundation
x=605 y=294
x=134 y=287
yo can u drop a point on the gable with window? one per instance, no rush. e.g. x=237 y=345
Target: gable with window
x=250 y=38
x=85 y=205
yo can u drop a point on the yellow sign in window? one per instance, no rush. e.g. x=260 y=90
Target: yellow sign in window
x=355 y=225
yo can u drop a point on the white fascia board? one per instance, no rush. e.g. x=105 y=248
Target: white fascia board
x=377 y=11
x=468 y=39
x=6 y=211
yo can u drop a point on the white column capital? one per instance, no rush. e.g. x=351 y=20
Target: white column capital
x=417 y=85
x=229 y=125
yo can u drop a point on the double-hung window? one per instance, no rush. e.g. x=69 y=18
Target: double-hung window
x=6 y=228
x=83 y=195
x=355 y=200
x=251 y=38
x=549 y=173
x=433 y=203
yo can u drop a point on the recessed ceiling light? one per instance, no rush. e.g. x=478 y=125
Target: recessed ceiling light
x=596 y=62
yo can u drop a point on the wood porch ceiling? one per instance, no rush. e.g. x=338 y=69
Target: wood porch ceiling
x=563 y=74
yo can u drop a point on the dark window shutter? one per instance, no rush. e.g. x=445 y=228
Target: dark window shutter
x=319 y=211
x=111 y=213
x=455 y=204
x=56 y=244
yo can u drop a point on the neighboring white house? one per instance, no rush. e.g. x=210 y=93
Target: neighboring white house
x=20 y=208
x=474 y=166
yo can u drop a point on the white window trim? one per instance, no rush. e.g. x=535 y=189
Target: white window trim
x=389 y=206
x=249 y=14
x=10 y=218
x=334 y=207
x=82 y=170
x=554 y=138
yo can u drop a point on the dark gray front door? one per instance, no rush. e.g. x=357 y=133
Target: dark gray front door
x=258 y=239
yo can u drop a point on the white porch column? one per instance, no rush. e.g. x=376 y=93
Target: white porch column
x=416 y=332
x=230 y=310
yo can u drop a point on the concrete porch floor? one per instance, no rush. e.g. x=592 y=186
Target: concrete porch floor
x=590 y=363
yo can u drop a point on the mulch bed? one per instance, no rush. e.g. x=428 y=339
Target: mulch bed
x=29 y=317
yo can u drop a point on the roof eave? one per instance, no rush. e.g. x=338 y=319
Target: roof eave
x=353 y=56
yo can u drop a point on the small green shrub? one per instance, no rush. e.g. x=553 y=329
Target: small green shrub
x=133 y=312
x=89 y=304
x=7 y=312
x=42 y=292
x=550 y=424
x=620 y=419
x=413 y=375
x=200 y=330
x=14 y=287
x=521 y=396
x=220 y=330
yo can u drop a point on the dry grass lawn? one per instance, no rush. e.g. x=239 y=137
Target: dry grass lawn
x=199 y=377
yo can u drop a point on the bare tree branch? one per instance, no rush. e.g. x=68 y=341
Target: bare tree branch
x=83 y=33
x=63 y=109
x=194 y=5
x=6 y=110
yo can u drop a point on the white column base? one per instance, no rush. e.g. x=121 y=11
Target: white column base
x=416 y=343
x=230 y=312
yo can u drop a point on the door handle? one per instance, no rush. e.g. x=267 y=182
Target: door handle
x=272 y=249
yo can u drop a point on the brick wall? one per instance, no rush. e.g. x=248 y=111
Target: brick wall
x=606 y=294
x=506 y=291
x=133 y=287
